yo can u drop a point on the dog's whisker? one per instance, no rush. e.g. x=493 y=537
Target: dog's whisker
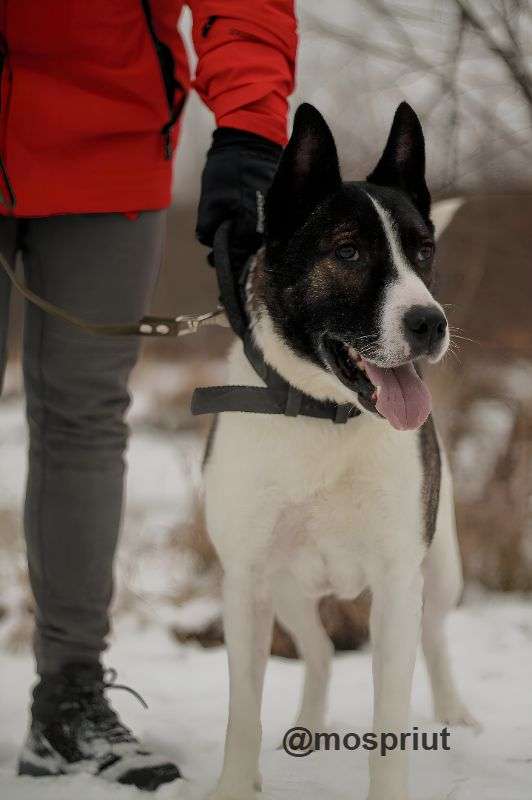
x=454 y=328
x=466 y=339
x=453 y=351
x=455 y=356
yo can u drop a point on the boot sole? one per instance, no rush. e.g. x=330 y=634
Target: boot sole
x=27 y=769
x=142 y=779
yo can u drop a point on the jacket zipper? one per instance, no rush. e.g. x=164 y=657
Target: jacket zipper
x=169 y=83
x=5 y=94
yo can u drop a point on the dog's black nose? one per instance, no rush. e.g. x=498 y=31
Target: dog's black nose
x=425 y=327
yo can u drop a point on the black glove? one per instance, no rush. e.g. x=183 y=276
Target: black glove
x=239 y=169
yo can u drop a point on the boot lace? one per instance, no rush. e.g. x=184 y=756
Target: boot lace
x=89 y=701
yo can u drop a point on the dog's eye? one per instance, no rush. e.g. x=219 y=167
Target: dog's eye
x=347 y=253
x=425 y=253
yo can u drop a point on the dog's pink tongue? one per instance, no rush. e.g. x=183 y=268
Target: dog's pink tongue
x=403 y=398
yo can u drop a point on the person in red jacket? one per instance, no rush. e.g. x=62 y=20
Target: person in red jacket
x=91 y=99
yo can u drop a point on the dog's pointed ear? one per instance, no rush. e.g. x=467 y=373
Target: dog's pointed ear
x=402 y=164
x=308 y=172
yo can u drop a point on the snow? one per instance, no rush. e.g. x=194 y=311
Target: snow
x=186 y=689
x=186 y=686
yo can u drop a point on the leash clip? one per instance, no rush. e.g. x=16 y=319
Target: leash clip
x=191 y=323
x=180 y=326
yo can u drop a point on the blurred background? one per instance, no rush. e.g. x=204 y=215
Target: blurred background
x=466 y=67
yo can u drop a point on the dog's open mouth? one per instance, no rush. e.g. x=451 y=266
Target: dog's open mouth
x=396 y=393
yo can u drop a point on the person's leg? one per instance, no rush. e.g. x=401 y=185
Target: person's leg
x=8 y=244
x=103 y=268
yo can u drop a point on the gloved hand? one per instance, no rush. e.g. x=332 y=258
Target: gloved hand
x=239 y=169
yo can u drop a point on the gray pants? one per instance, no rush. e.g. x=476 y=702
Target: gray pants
x=103 y=267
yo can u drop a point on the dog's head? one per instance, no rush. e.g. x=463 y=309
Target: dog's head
x=347 y=272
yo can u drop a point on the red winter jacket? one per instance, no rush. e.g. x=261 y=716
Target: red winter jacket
x=92 y=91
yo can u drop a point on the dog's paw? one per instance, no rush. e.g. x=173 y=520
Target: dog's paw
x=457 y=715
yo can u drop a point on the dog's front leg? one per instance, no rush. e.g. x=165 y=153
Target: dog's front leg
x=395 y=625
x=248 y=620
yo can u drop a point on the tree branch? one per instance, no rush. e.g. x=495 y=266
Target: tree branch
x=511 y=57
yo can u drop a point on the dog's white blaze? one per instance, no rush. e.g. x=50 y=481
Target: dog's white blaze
x=406 y=291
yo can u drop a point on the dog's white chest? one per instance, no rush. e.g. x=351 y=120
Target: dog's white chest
x=320 y=569
x=321 y=564
x=332 y=541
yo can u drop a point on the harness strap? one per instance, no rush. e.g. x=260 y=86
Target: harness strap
x=230 y=297
x=263 y=400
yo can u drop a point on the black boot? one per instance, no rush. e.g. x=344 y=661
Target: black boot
x=74 y=729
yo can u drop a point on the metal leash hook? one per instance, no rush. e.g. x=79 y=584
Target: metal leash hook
x=183 y=325
x=193 y=322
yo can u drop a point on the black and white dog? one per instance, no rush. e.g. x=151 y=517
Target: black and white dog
x=341 y=306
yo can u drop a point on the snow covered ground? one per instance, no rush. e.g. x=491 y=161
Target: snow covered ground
x=186 y=687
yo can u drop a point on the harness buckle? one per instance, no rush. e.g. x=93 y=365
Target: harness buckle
x=343 y=413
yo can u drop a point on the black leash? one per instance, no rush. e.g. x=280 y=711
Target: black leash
x=159 y=327
x=276 y=397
